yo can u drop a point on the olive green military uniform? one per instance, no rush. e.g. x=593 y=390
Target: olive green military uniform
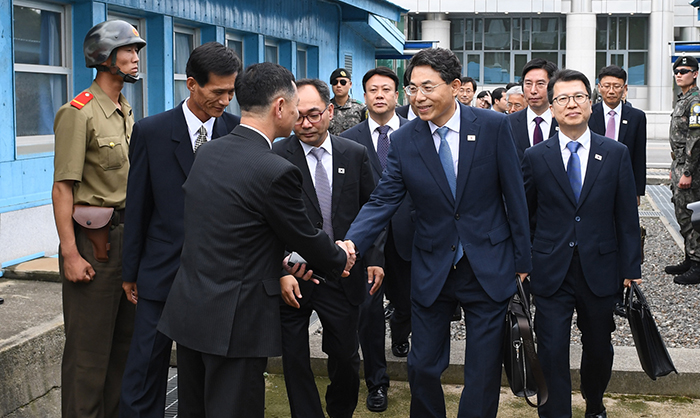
x=685 y=146
x=92 y=148
x=346 y=116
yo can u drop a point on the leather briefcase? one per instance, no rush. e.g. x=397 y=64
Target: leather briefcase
x=95 y=222
x=520 y=360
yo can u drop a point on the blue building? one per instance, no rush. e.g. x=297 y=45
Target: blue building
x=42 y=67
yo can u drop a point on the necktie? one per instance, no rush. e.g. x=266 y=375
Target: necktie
x=323 y=191
x=449 y=168
x=383 y=145
x=537 y=134
x=573 y=169
x=610 y=129
x=202 y=138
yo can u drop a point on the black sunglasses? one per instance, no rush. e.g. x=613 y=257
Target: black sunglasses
x=682 y=71
x=342 y=82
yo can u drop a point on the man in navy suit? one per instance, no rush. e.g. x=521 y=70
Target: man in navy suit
x=461 y=169
x=580 y=188
x=535 y=124
x=162 y=152
x=621 y=122
x=381 y=93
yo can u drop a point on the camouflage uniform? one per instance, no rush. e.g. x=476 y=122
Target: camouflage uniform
x=346 y=116
x=685 y=147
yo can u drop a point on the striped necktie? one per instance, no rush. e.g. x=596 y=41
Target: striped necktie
x=202 y=138
x=323 y=191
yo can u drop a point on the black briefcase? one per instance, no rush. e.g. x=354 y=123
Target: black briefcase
x=519 y=357
x=650 y=346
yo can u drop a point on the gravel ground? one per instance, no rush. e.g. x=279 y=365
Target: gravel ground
x=676 y=308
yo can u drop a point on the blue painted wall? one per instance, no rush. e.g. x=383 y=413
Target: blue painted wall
x=316 y=24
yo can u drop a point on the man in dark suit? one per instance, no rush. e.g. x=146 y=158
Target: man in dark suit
x=243 y=206
x=580 y=188
x=535 y=124
x=162 y=152
x=461 y=169
x=625 y=124
x=381 y=93
x=337 y=181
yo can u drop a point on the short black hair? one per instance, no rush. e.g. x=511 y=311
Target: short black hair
x=537 y=63
x=320 y=86
x=511 y=85
x=567 y=75
x=498 y=93
x=483 y=93
x=613 y=71
x=465 y=80
x=441 y=60
x=385 y=71
x=214 y=58
x=260 y=84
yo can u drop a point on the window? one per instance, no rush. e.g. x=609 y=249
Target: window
x=623 y=41
x=183 y=44
x=493 y=50
x=301 y=63
x=135 y=93
x=235 y=42
x=271 y=51
x=41 y=73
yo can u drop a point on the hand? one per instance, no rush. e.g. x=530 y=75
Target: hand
x=290 y=291
x=77 y=269
x=629 y=281
x=298 y=271
x=132 y=293
x=684 y=182
x=523 y=276
x=349 y=248
x=375 y=275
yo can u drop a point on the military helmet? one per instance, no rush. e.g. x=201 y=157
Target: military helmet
x=105 y=37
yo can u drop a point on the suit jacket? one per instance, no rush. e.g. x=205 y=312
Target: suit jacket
x=604 y=224
x=161 y=157
x=489 y=179
x=402 y=111
x=402 y=226
x=518 y=121
x=352 y=186
x=633 y=133
x=243 y=205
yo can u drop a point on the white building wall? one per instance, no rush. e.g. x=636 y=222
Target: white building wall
x=27 y=231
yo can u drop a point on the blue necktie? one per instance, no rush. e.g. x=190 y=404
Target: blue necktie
x=573 y=169
x=383 y=145
x=323 y=191
x=449 y=168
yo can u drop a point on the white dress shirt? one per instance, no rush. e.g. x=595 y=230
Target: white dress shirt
x=260 y=132
x=193 y=124
x=618 y=118
x=327 y=159
x=452 y=136
x=545 y=125
x=393 y=124
x=583 y=151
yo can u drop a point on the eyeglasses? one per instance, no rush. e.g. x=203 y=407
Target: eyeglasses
x=682 y=71
x=342 y=81
x=313 y=118
x=563 y=100
x=426 y=89
x=514 y=106
x=611 y=86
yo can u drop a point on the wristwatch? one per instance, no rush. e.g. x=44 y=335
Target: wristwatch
x=686 y=173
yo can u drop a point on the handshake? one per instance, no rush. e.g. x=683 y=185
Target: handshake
x=299 y=269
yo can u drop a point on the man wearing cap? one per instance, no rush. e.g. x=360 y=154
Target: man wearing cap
x=348 y=111
x=90 y=171
x=685 y=174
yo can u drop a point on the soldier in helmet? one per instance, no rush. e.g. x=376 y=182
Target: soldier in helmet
x=90 y=171
x=685 y=168
x=348 y=112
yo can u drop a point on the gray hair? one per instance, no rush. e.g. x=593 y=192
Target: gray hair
x=514 y=90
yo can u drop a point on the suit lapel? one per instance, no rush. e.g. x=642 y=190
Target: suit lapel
x=553 y=128
x=181 y=135
x=219 y=129
x=423 y=140
x=340 y=164
x=366 y=140
x=552 y=157
x=596 y=156
x=520 y=130
x=469 y=125
x=298 y=158
x=623 y=125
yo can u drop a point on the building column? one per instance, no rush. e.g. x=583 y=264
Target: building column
x=580 y=49
x=659 y=74
x=436 y=28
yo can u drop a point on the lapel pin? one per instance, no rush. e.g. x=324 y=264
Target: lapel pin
x=471 y=137
x=624 y=122
x=598 y=157
x=341 y=170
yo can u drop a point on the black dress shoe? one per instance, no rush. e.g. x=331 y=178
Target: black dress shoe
x=400 y=349
x=377 y=399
